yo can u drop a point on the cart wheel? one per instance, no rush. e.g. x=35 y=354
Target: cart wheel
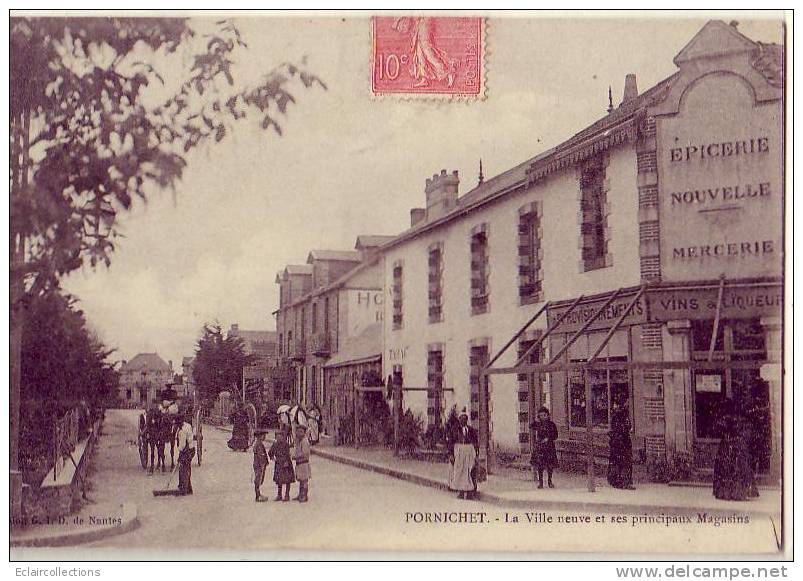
x=143 y=451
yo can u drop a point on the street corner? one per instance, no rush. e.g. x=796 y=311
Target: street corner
x=94 y=524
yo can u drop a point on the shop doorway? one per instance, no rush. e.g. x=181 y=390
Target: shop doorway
x=737 y=340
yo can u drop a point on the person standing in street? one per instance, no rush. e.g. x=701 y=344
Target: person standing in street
x=620 y=462
x=260 y=463
x=283 y=474
x=544 y=455
x=463 y=458
x=186 y=452
x=301 y=455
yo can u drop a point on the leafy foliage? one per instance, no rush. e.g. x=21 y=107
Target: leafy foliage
x=63 y=361
x=94 y=124
x=410 y=428
x=219 y=362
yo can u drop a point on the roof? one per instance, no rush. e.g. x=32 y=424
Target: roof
x=298 y=269
x=187 y=361
x=371 y=240
x=617 y=126
x=366 y=346
x=252 y=336
x=341 y=255
x=147 y=361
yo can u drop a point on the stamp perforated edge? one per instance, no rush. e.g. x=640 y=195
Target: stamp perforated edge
x=482 y=95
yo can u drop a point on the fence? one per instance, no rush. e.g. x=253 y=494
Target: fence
x=67 y=431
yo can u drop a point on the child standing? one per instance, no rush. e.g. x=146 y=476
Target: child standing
x=283 y=474
x=260 y=463
x=301 y=455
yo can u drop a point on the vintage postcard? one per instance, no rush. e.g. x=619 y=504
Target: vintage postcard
x=432 y=284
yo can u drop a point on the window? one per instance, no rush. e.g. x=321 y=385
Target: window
x=128 y=394
x=607 y=386
x=303 y=322
x=326 y=315
x=314 y=317
x=736 y=340
x=477 y=359
x=281 y=342
x=593 y=224
x=434 y=385
x=530 y=254
x=398 y=272
x=435 y=283
x=479 y=270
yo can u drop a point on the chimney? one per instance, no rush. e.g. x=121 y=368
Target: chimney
x=631 y=91
x=170 y=365
x=441 y=192
x=417 y=215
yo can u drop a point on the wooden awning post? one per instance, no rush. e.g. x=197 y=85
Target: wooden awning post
x=356 y=417
x=549 y=330
x=518 y=334
x=589 y=432
x=717 y=316
x=397 y=405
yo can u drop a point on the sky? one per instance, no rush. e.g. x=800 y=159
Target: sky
x=349 y=163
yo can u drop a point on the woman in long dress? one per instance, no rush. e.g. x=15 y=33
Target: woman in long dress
x=544 y=455
x=239 y=434
x=734 y=478
x=620 y=462
x=283 y=473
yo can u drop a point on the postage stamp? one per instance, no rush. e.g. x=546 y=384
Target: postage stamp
x=435 y=57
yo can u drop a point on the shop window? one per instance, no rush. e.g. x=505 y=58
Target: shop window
x=434 y=386
x=435 y=283
x=593 y=225
x=607 y=386
x=737 y=340
x=530 y=279
x=398 y=274
x=479 y=271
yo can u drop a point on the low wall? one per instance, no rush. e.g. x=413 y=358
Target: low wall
x=62 y=495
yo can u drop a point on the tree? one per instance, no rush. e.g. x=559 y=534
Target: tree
x=88 y=136
x=219 y=362
x=63 y=361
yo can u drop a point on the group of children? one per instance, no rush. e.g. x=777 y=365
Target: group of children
x=284 y=472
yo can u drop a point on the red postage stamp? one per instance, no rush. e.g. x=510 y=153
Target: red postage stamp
x=438 y=56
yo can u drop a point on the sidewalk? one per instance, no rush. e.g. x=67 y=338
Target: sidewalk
x=515 y=488
x=91 y=523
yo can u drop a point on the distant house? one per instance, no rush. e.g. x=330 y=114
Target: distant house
x=143 y=378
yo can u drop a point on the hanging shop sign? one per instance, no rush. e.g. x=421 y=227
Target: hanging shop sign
x=585 y=311
x=708 y=383
x=738 y=302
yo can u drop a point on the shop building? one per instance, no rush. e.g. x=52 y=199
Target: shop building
x=633 y=241
x=329 y=326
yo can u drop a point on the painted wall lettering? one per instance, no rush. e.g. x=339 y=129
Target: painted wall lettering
x=721 y=194
x=722 y=149
x=752 y=248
